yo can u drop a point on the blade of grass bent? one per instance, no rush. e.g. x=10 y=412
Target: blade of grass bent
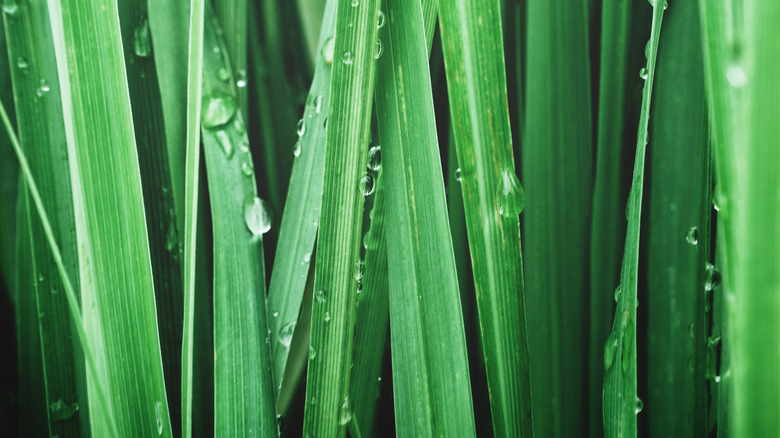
x=431 y=383
x=679 y=188
x=620 y=381
x=116 y=275
x=607 y=225
x=42 y=133
x=493 y=198
x=338 y=243
x=301 y=216
x=153 y=160
x=244 y=401
x=191 y=189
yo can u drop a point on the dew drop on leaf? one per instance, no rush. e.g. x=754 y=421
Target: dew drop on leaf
x=345 y=413
x=60 y=410
x=247 y=168
x=158 y=413
x=43 y=88
x=380 y=19
x=327 y=316
x=301 y=128
x=378 y=51
x=225 y=143
x=375 y=158
x=257 y=216
x=692 y=236
x=218 y=110
x=297 y=149
x=10 y=7
x=712 y=277
x=639 y=405
x=22 y=64
x=643 y=73
x=321 y=296
x=223 y=74
x=346 y=58
x=142 y=42
x=286 y=334
x=367 y=185
x=328 y=49
x=510 y=195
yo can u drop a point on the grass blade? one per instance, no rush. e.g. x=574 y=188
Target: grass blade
x=243 y=389
x=302 y=207
x=679 y=187
x=430 y=366
x=338 y=243
x=117 y=285
x=620 y=360
x=493 y=198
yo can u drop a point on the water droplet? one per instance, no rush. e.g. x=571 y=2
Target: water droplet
x=666 y=5
x=510 y=195
x=257 y=216
x=618 y=289
x=375 y=158
x=243 y=145
x=218 y=110
x=360 y=270
x=142 y=43
x=736 y=75
x=345 y=413
x=43 y=88
x=275 y=314
x=223 y=74
x=692 y=236
x=171 y=239
x=22 y=64
x=458 y=174
x=639 y=405
x=346 y=58
x=312 y=353
x=327 y=50
x=367 y=184
x=301 y=128
x=609 y=351
x=380 y=19
x=286 y=334
x=241 y=81
x=327 y=316
x=644 y=73
x=63 y=411
x=359 y=287
x=317 y=104
x=378 y=51
x=41 y=278
x=307 y=258
x=158 y=413
x=297 y=149
x=355 y=3
x=225 y=143
x=321 y=296
x=247 y=168
x=10 y=7
x=712 y=277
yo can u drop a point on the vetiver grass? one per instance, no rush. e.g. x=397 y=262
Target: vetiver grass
x=180 y=259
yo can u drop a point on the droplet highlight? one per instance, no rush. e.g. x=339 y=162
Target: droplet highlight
x=346 y=58
x=510 y=195
x=345 y=413
x=644 y=73
x=286 y=334
x=375 y=158
x=692 y=236
x=366 y=185
x=218 y=110
x=257 y=216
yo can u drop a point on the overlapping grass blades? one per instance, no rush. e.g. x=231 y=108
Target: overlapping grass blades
x=430 y=365
x=620 y=355
x=328 y=408
x=301 y=216
x=678 y=201
x=243 y=388
x=42 y=132
x=116 y=276
x=493 y=199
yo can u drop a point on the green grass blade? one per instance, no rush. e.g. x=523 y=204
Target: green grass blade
x=474 y=60
x=233 y=20
x=620 y=355
x=373 y=312
x=153 y=160
x=302 y=207
x=557 y=172
x=679 y=187
x=116 y=275
x=430 y=366
x=607 y=225
x=9 y=168
x=190 y=205
x=338 y=244
x=243 y=390
x=32 y=48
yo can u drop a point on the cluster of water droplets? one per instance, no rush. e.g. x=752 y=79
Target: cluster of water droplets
x=60 y=410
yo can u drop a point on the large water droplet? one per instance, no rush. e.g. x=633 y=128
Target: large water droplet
x=366 y=184
x=43 y=88
x=142 y=43
x=328 y=49
x=297 y=149
x=378 y=51
x=247 y=168
x=458 y=174
x=218 y=110
x=510 y=195
x=712 y=277
x=345 y=413
x=317 y=104
x=158 y=413
x=10 y=7
x=241 y=81
x=639 y=405
x=286 y=333
x=301 y=128
x=257 y=216
x=62 y=411
x=22 y=64
x=643 y=73
x=380 y=19
x=346 y=58
x=692 y=236
x=736 y=75
x=375 y=158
